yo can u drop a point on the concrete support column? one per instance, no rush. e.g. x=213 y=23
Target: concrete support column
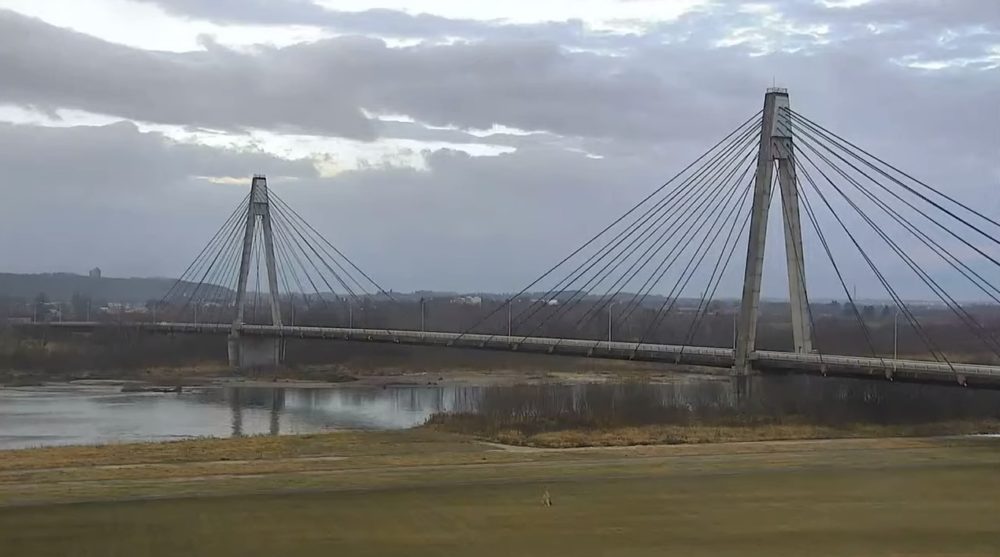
x=747 y=325
x=798 y=300
x=253 y=353
x=775 y=146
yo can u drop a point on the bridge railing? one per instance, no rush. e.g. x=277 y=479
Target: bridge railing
x=668 y=353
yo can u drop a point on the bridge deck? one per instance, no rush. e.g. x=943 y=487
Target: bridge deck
x=764 y=360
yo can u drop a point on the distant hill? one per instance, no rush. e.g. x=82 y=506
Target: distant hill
x=62 y=286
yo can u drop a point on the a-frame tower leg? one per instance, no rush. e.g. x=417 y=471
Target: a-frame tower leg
x=775 y=146
x=797 y=296
x=244 y=352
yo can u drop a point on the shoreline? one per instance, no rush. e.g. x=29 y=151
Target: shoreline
x=321 y=378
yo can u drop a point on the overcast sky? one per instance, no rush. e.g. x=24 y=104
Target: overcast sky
x=450 y=144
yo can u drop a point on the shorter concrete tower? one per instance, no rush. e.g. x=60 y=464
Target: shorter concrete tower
x=246 y=353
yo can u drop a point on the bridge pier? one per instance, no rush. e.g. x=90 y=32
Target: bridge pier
x=256 y=353
x=743 y=389
x=253 y=353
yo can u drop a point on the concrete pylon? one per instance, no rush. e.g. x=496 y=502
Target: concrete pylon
x=776 y=148
x=247 y=353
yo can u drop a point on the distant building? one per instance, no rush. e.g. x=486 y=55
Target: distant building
x=48 y=312
x=468 y=300
x=117 y=308
x=95 y=273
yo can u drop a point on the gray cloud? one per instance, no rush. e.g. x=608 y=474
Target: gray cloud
x=910 y=23
x=49 y=67
x=652 y=95
x=134 y=204
x=282 y=12
x=923 y=14
x=148 y=159
x=383 y=22
x=322 y=87
x=86 y=194
x=470 y=223
x=466 y=222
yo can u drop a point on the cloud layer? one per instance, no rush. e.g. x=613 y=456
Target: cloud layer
x=611 y=116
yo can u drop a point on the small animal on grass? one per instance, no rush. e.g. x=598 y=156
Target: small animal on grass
x=546 y=499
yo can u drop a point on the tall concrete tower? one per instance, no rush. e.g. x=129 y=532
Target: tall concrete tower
x=776 y=150
x=249 y=353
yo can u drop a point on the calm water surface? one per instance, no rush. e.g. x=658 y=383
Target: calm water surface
x=71 y=414
x=78 y=414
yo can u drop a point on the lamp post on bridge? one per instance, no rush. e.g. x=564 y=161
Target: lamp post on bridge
x=510 y=302
x=609 y=325
x=735 y=328
x=895 y=339
x=611 y=308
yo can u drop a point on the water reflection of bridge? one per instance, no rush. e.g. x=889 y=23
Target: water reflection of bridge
x=240 y=398
x=827 y=401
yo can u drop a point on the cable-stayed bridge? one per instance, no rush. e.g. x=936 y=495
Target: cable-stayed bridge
x=659 y=266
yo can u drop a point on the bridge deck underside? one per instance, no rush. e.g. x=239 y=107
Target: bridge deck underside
x=764 y=361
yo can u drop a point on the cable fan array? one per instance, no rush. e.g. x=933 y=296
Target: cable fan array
x=317 y=283
x=919 y=246
x=656 y=270
x=659 y=272
x=636 y=270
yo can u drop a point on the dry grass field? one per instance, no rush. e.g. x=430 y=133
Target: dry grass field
x=424 y=492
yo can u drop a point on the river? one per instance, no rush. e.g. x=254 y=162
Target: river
x=66 y=414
